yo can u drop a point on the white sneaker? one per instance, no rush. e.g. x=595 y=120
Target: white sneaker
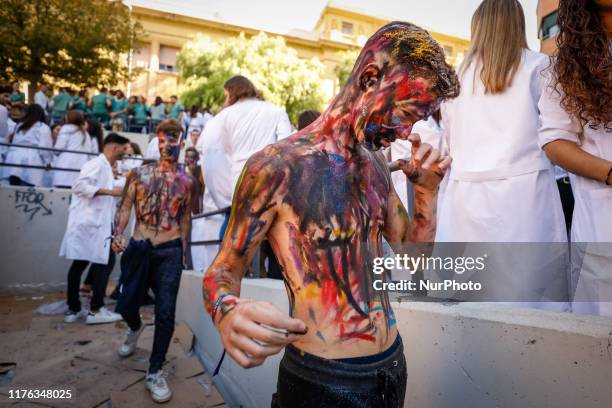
x=131 y=338
x=71 y=317
x=158 y=387
x=102 y=316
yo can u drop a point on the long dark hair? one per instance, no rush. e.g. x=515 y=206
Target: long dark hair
x=194 y=111
x=34 y=113
x=96 y=132
x=583 y=69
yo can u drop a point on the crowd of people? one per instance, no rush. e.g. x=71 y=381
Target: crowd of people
x=516 y=124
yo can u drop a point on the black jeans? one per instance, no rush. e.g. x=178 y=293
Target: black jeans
x=164 y=277
x=99 y=274
x=308 y=381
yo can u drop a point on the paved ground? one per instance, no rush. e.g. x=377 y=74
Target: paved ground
x=40 y=352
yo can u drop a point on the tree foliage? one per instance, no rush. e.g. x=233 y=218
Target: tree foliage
x=73 y=41
x=345 y=66
x=273 y=67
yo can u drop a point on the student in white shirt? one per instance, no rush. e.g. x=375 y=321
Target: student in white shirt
x=41 y=98
x=72 y=136
x=576 y=133
x=501 y=186
x=89 y=228
x=32 y=131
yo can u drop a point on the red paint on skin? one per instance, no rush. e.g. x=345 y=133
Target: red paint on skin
x=329 y=293
x=359 y=336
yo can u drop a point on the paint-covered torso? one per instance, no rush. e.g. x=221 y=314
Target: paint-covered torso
x=331 y=210
x=160 y=199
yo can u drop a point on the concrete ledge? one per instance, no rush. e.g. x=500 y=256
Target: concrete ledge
x=467 y=354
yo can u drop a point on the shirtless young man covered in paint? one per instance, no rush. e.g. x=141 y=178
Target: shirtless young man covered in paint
x=325 y=200
x=162 y=195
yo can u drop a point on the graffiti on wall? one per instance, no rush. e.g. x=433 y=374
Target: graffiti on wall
x=30 y=202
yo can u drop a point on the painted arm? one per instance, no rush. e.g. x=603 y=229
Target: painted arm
x=572 y=158
x=239 y=321
x=122 y=216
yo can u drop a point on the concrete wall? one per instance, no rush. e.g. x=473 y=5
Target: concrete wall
x=461 y=355
x=33 y=224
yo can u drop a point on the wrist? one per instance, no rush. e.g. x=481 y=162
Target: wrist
x=223 y=305
x=608 y=180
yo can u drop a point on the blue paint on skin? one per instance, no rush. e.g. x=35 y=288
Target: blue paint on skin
x=319 y=335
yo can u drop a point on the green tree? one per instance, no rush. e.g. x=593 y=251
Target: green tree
x=345 y=66
x=75 y=41
x=274 y=68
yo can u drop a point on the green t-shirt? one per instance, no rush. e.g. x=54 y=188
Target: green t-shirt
x=60 y=104
x=98 y=103
x=17 y=97
x=176 y=110
x=80 y=105
x=119 y=104
x=140 y=113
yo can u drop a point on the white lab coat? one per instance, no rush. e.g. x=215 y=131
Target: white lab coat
x=38 y=135
x=501 y=188
x=246 y=127
x=501 y=185
x=217 y=194
x=41 y=99
x=591 y=233
x=153 y=149
x=90 y=218
x=430 y=132
x=70 y=137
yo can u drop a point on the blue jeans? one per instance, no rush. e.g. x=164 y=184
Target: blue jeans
x=164 y=276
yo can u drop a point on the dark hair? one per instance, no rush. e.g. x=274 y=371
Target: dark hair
x=75 y=117
x=194 y=110
x=192 y=149
x=136 y=148
x=306 y=118
x=158 y=101
x=174 y=96
x=115 y=138
x=103 y=89
x=408 y=45
x=95 y=131
x=170 y=127
x=118 y=91
x=239 y=87
x=34 y=113
x=82 y=93
x=583 y=65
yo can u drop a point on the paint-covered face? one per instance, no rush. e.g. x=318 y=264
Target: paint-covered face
x=169 y=147
x=400 y=100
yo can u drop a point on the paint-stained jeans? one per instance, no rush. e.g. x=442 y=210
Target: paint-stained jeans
x=306 y=381
x=165 y=268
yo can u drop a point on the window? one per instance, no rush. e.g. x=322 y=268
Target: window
x=347 y=28
x=549 y=27
x=167 y=58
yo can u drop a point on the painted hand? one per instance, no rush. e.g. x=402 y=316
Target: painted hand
x=427 y=166
x=119 y=244
x=254 y=330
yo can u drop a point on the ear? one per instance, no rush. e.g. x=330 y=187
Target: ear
x=369 y=76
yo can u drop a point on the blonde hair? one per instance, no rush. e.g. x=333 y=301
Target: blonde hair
x=498 y=40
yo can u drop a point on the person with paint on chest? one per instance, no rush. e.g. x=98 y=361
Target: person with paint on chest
x=162 y=195
x=324 y=199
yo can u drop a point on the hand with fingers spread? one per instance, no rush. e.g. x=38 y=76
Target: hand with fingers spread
x=253 y=330
x=427 y=166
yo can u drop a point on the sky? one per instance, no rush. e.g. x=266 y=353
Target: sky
x=451 y=17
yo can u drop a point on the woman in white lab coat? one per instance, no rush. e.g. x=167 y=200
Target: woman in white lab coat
x=32 y=131
x=576 y=133
x=72 y=136
x=501 y=187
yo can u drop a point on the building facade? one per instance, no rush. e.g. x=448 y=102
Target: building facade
x=154 y=58
x=548 y=29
